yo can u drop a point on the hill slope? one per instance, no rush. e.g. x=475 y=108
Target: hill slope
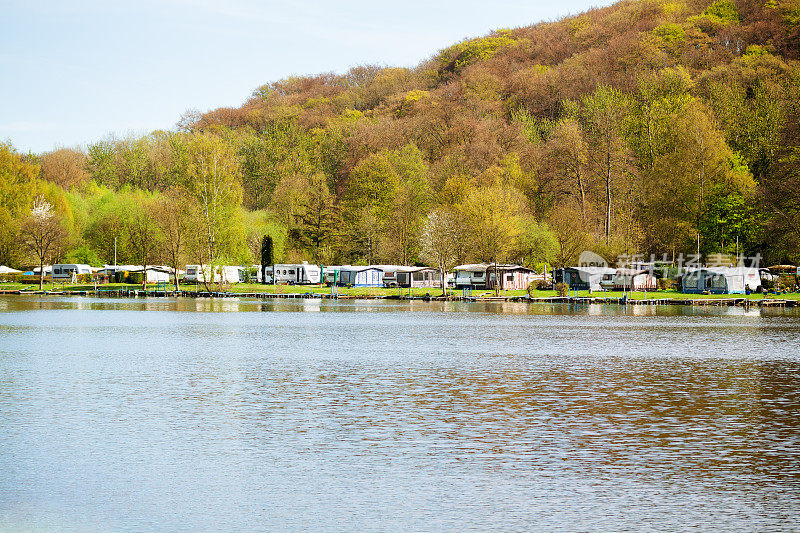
x=644 y=127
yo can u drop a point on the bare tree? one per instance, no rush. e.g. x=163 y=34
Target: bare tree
x=172 y=216
x=43 y=235
x=142 y=239
x=440 y=241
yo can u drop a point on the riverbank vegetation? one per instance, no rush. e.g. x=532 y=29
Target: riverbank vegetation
x=644 y=127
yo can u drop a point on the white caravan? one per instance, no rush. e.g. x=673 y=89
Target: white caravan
x=296 y=274
x=222 y=274
x=66 y=272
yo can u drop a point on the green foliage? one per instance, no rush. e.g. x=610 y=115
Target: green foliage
x=756 y=50
x=719 y=14
x=468 y=52
x=84 y=255
x=670 y=32
x=562 y=289
x=723 y=10
x=728 y=215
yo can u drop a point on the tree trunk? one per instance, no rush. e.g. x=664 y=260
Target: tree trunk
x=583 y=199
x=41 y=274
x=608 y=206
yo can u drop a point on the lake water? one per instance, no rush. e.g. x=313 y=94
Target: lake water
x=220 y=415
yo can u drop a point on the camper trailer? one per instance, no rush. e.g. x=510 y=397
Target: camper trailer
x=721 y=280
x=63 y=272
x=584 y=278
x=360 y=276
x=486 y=276
x=330 y=275
x=412 y=277
x=631 y=279
x=222 y=274
x=471 y=276
x=155 y=274
x=296 y=274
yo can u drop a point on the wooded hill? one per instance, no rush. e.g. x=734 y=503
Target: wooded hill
x=636 y=128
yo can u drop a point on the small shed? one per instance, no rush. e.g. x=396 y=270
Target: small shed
x=360 y=276
x=583 y=278
x=512 y=277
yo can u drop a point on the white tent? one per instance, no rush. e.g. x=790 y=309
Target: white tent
x=8 y=270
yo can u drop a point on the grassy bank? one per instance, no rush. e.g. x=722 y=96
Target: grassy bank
x=376 y=292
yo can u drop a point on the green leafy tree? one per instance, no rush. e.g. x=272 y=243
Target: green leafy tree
x=17 y=186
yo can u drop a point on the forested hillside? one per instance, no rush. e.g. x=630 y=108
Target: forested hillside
x=636 y=128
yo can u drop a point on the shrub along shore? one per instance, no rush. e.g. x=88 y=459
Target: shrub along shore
x=252 y=290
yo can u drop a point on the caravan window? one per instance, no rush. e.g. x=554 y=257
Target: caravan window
x=291 y=271
x=718 y=282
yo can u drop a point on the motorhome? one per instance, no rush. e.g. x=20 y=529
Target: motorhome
x=296 y=274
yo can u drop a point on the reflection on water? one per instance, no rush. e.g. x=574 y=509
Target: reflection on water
x=396 y=415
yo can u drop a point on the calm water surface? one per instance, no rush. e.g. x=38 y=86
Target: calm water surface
x=201 y=415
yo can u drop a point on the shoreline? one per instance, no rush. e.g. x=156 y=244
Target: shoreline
x=683 y=300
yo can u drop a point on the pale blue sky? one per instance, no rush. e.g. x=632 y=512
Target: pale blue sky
x=72 y=72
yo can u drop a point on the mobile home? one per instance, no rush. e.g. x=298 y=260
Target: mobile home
x=296 y=274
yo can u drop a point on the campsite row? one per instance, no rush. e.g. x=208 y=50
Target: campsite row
x=480 y=276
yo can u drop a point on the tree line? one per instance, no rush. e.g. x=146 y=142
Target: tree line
x=644 y=127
